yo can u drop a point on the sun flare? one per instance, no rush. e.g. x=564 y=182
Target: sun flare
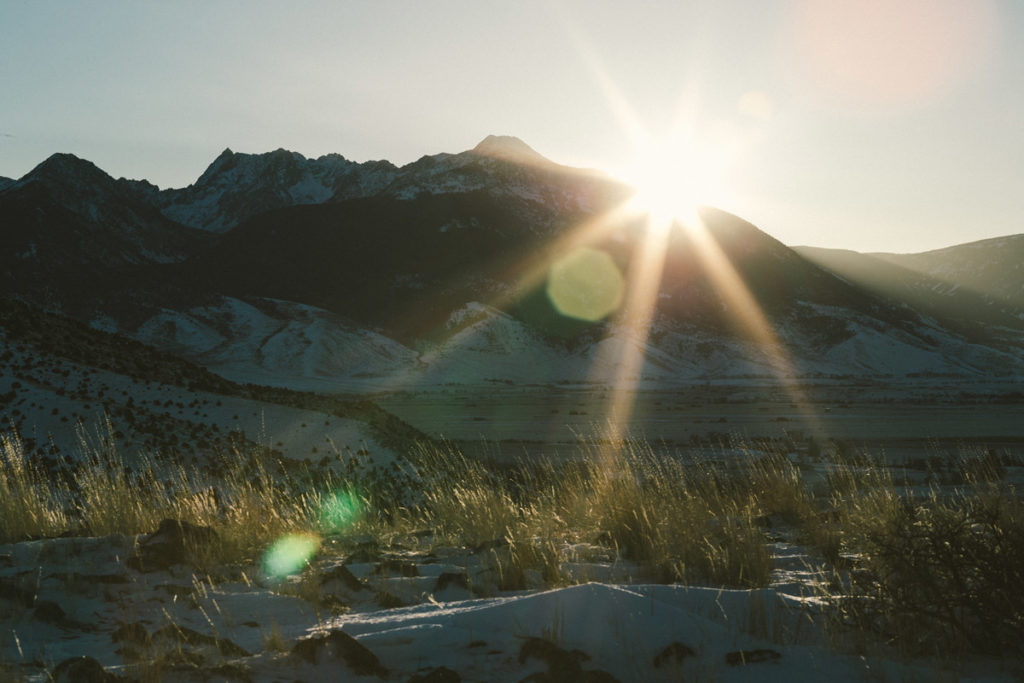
x=673 y=177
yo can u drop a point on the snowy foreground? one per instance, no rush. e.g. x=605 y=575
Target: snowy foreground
x=358 y=614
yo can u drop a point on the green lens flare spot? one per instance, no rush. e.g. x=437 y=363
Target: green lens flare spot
x=340 y=510
x=290 y=554
x=585 y=285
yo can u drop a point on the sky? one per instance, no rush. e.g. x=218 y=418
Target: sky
x=875 y=125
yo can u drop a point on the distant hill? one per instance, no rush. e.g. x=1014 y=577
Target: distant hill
x=974 y=288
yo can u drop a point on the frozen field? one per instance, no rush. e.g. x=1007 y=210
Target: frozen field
x=513 y=420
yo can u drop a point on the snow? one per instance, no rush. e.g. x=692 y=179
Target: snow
x=278 y=343
x=55 y=397
x=293 y=345
x=619 y=628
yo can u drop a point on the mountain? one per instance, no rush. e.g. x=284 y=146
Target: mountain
x=66 y=223
x=61 y=381
x=289 y=271
x=5 y=182
x=238 y=186
x=975 y=288
x=992 y=268
x=399 y=265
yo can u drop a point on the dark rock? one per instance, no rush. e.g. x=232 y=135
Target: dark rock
x=673 y=654
x=333 y=604
x=548 y=652
x=441 y=674
x=340 y=645
x=597 y=676
x=345 y=576
x=50 y=612
x=451 y=579
x=82 y=670
x=362 y=556
x=392 y=566
x=230 y=672
x=744 y=657
x=563 y=664
x=389 y=601
x=133 y=633
x=186 y=636
x=172 y=543
x=582 y=676
x=9 y=590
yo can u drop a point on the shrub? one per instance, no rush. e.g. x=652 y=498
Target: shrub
x=942 y=574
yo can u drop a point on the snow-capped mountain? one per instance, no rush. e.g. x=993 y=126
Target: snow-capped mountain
x=329 y=272
x=237 y=186
x=506 y=167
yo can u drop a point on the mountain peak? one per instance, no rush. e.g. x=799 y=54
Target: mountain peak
x=223 y=160
x=509 y=148
x=63 y=167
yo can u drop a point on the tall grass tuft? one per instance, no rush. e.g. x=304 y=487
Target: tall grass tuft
x=30 y=506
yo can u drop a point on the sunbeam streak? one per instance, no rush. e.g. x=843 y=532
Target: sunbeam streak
x=643 y=278
x=672 y=178
x=748 y=314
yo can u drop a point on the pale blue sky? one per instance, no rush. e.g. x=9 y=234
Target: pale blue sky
x=871 y=128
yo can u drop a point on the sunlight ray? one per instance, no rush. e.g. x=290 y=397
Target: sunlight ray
x=643 y=278
x=670 y=189
x=747 y=312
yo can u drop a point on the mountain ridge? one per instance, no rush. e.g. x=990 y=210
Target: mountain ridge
x=364 y=252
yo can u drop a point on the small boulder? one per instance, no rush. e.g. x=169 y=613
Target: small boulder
x=394 y=566
x=133 y=633
x=82 y=670
x=447 y=579
x=340 y=646
x=673 y=653
x=174 y=542
x=343 y=575
x=49 y=612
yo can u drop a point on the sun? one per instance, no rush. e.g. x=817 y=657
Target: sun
x=673 y=177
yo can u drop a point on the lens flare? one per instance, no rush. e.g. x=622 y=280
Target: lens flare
x=586 y=285
x=340 y=510
x=288 y=555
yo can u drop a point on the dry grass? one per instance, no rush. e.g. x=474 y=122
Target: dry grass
x=937 y=569
x=30 y=506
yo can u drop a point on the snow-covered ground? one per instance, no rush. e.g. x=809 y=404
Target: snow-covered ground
x=51 y=400
x=302 y=347
x=413 y=613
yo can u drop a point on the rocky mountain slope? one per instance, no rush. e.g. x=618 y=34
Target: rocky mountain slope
x=279 y=268
x=62 y=382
